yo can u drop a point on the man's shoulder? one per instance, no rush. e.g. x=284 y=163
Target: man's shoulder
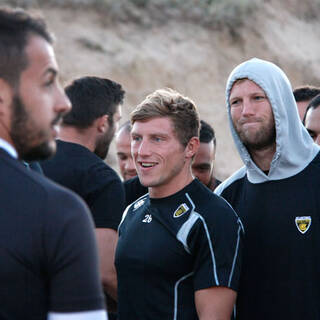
x=134 y=190
x=76 y=155
x=315 y=163
x=74 y=160
x=208 y=204
x=234 y=180
x=136 y=207
x=35 y=188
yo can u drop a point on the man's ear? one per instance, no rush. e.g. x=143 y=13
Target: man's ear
x=6 y=95
x=192 y=147
x=102 y=123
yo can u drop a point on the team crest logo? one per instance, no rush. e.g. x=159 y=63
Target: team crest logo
x=138 y=204
x=182 y=209
x=303 y=223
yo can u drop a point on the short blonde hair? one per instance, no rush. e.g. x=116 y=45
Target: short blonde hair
x=170 y=103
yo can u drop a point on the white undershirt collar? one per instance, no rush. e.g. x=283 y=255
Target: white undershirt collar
x=9 y=148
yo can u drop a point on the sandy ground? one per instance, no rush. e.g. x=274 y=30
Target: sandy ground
x=189 y=58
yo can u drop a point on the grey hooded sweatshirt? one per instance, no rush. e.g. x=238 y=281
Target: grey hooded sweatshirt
x=280 y=209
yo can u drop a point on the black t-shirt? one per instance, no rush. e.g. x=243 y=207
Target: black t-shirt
x=134 y=190
x=80 y=170
x=47 y=247
x=280 y=276
x=170 y=247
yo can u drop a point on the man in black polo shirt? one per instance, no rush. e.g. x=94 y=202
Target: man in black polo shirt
x=84 y=139
x=178 y=254
x=49 y=264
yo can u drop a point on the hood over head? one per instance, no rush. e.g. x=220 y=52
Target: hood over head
x=295 y=148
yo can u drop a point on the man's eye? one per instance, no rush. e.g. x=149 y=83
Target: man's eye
x=136 y=138
x=49 y=83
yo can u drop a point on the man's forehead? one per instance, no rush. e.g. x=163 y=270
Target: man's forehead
x=123 y=136
x=313 y=118
x=41 y=56
x=154 y=124
x=251 y=83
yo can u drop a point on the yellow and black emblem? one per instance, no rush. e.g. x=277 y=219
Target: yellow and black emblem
x=182 y=209
x=303 y=223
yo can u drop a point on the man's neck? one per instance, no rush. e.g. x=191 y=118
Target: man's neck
x=84 y=137
x=263 y=157
x=184 y=178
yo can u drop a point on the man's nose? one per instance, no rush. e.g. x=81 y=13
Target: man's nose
x=248 y=108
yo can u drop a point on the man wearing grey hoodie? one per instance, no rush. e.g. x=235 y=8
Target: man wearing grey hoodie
x=276 y=194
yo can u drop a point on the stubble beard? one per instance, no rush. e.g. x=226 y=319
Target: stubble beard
x=23 y=134
x=103 y=143
x=261 y=139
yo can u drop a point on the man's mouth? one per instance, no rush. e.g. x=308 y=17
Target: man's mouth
x=147 y=164
x=56 y=121
x=249 y=121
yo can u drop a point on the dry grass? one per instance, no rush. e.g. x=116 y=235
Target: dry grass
x=215 y=14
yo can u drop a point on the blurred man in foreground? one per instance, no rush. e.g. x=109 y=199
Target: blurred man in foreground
x=49 y=264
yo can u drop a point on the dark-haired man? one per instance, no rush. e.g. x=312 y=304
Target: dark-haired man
x=311 y=119
x=84 y=139
x=203 y=162
x=178 y=255
x=303 y=95
x=49 y=265
x=276 y=194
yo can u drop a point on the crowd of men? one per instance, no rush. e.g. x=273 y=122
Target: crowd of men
x=167 y=240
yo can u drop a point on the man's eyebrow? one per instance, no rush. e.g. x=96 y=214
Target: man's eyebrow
x=159 y=134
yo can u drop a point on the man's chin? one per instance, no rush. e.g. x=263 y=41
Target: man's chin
x=40 y=152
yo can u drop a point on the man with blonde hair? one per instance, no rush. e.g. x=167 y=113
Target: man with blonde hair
x=178 y=255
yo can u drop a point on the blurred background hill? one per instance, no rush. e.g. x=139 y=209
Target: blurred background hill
x=188 y=45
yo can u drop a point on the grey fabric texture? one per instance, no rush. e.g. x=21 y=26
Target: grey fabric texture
x=295 y=148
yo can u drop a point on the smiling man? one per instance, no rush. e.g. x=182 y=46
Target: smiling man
x=49 y=264
x=178 y=254
x=276 y=195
